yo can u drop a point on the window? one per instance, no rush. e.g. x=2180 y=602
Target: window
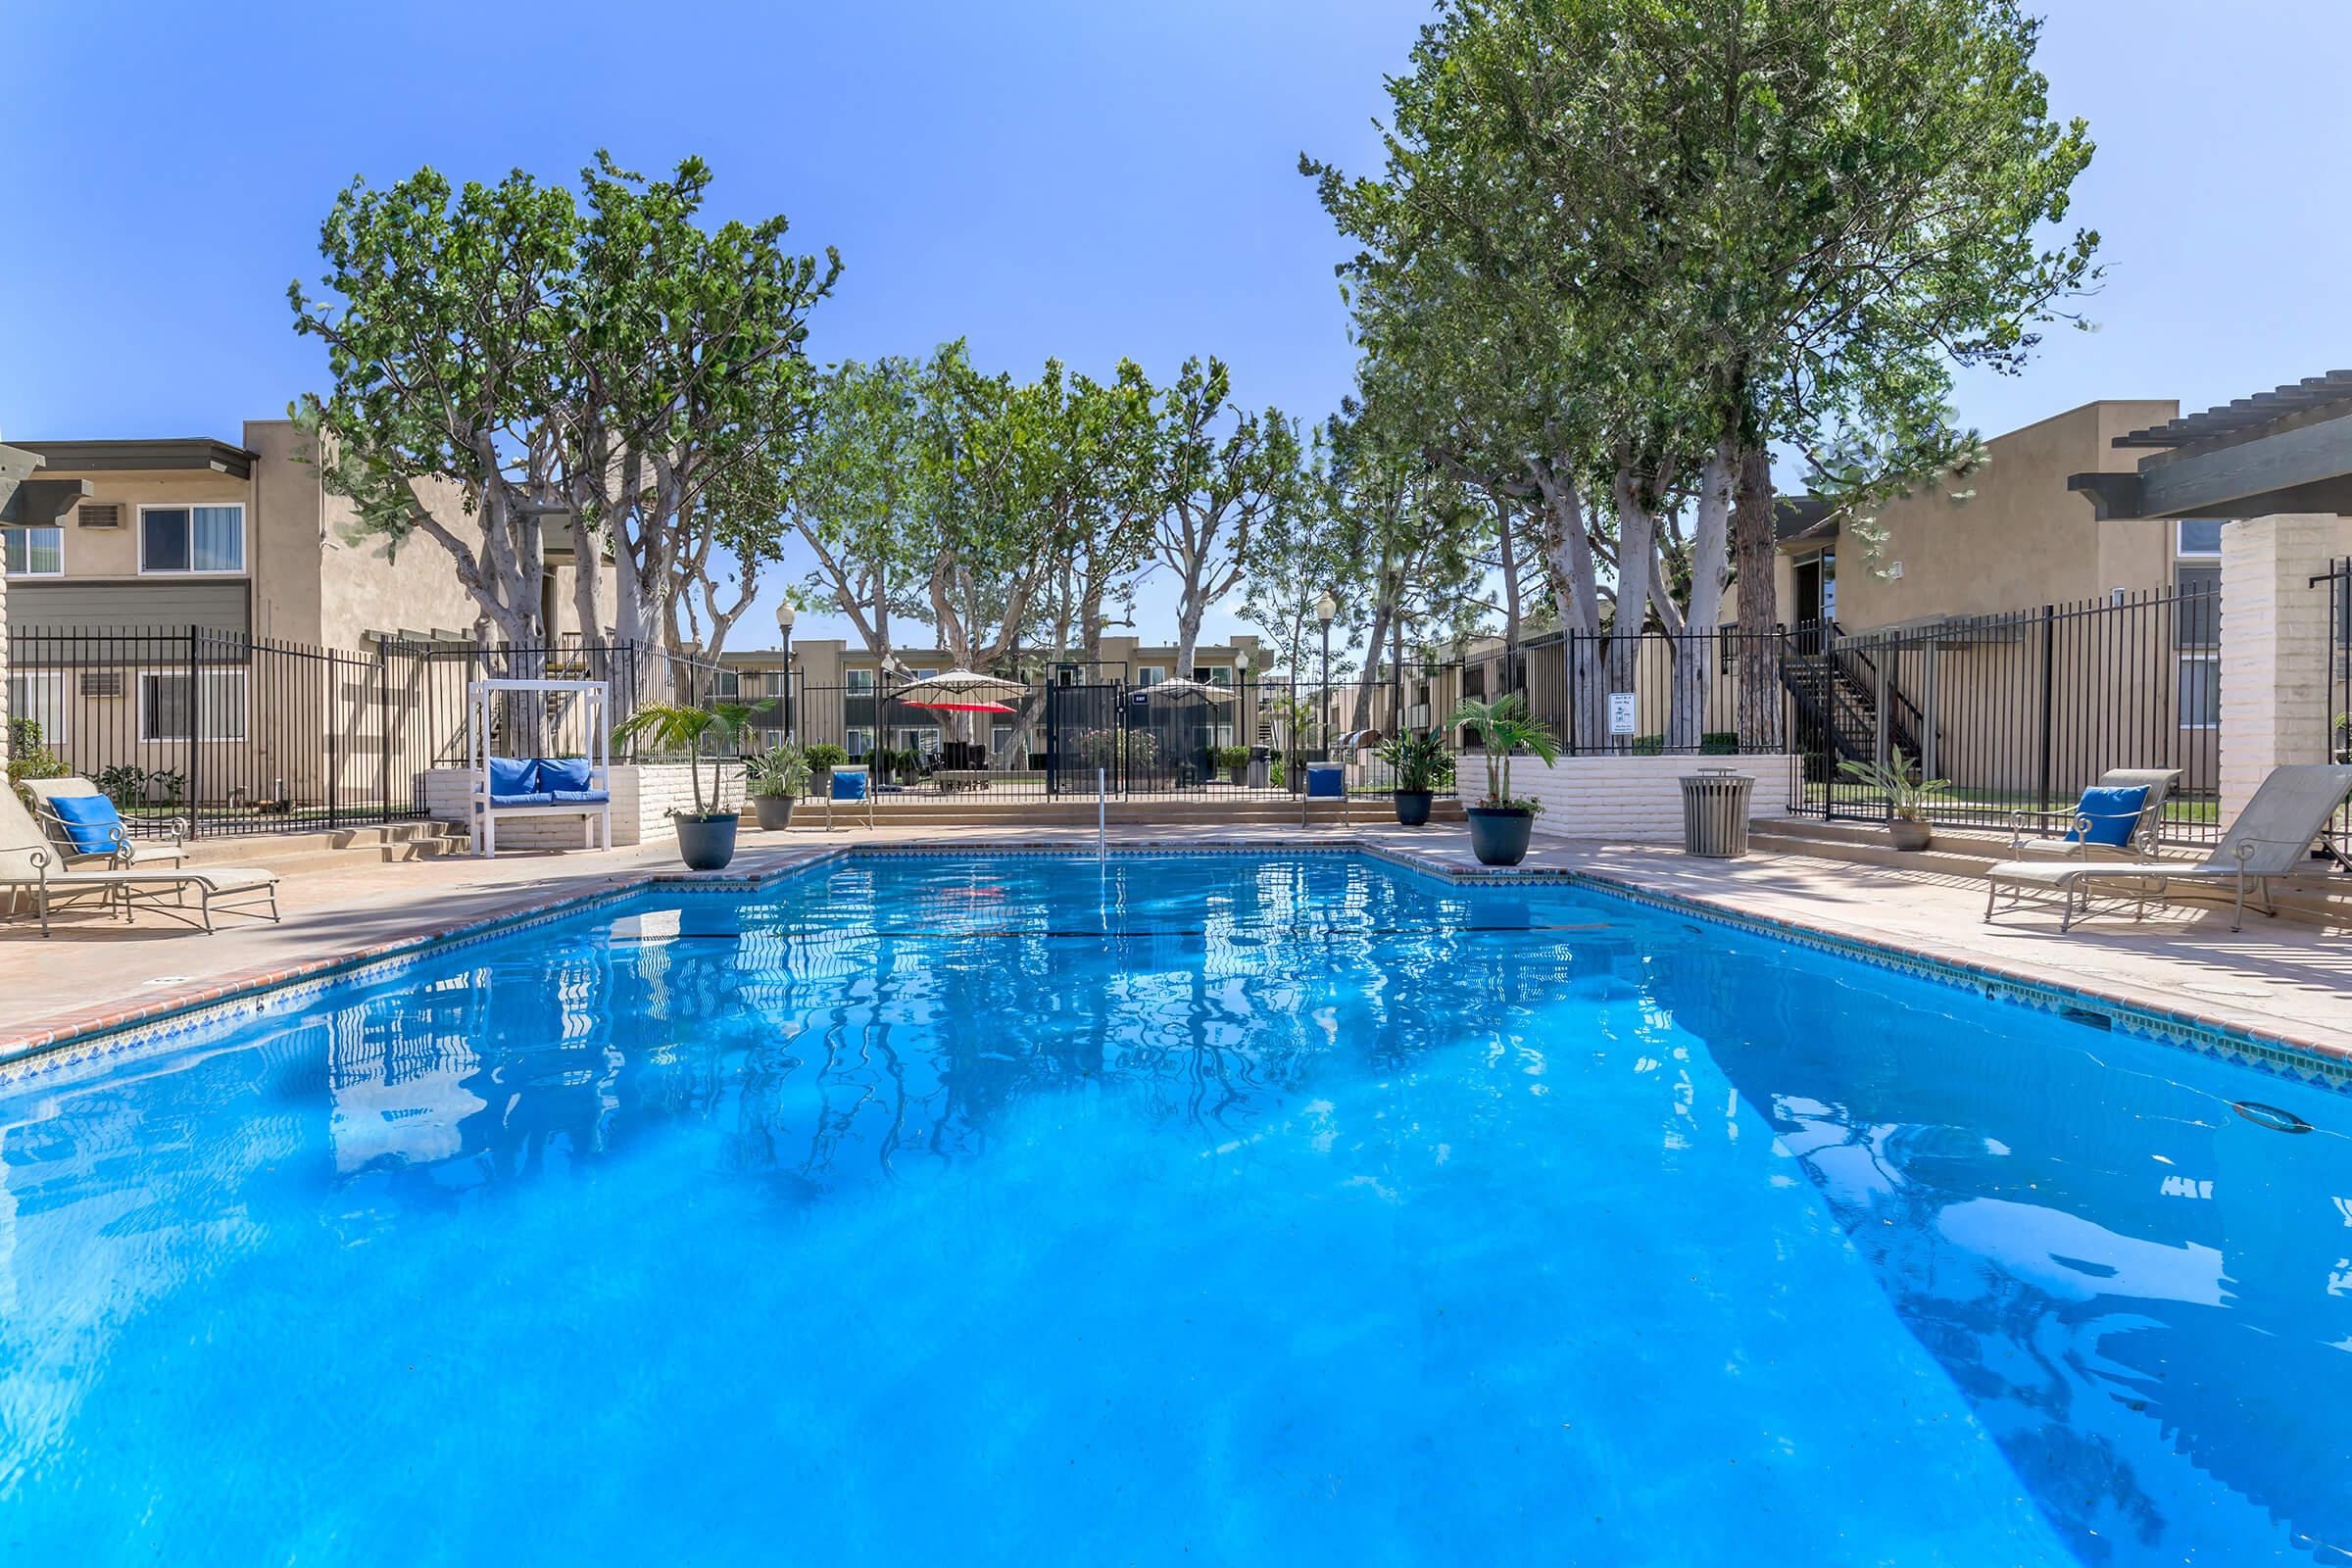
x=39 y=695
x=191 y=539
x=2197 y=611
x=925 y=674
x=164 y=706
x=2198 y=536
x=859 y=741
x=859 y=681
x=1212 y=675
x=726 y=683
x=2200 y=691
x=34 y=551
x=1000 y=736
x=1150 y=674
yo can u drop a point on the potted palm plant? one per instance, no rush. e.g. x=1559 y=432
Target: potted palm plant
x=1501 y=824
x=774 y=779
x=1421 y=763
x=1907 y=797
x=706 y=834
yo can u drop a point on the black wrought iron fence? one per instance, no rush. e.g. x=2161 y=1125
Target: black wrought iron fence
x=231 y=734
x=2020 y=711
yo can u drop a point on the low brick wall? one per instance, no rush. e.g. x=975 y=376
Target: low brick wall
x=1627 y=800
x=642 y=799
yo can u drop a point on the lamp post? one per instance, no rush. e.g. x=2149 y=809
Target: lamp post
x=1325 y=609
x=784 y=619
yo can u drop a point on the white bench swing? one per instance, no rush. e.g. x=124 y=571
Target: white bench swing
x=538 y=786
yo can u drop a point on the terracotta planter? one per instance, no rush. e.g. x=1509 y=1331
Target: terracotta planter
x=706 y=843
x=1413 y=808
x=1909 y=835
x=774 y=811
x=1498 y=834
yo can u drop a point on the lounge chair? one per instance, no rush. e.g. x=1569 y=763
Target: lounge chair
x=82 y=822
x=2076 y=834
x=2271 y=838
x=26 y=858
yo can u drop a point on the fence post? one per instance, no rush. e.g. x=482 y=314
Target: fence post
x=196 y=730
x=2049 y=686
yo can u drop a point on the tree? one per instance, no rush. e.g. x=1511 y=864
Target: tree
x=1224 y=471
x=1706 y=226
x=505 y=358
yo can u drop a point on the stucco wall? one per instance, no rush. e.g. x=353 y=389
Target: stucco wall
x=1630 y=800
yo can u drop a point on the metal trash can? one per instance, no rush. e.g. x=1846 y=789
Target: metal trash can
x=1715 y=812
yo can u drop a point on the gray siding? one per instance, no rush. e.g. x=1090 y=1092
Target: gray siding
x=35 y=607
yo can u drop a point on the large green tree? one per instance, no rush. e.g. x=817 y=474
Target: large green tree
x=1713 y=226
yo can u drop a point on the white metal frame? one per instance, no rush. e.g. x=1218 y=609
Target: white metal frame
x=597 y=700
x=242 y=569
x=33 y=528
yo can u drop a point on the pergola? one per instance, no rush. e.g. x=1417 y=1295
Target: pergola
x=2286 y=451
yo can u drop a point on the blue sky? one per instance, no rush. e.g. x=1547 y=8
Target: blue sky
x=1066 y=178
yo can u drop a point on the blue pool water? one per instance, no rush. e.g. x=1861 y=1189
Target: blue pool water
x=1210 y=1209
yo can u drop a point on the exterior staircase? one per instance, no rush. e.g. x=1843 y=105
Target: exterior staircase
x=1834 y=685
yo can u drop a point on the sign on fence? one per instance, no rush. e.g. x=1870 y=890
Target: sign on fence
x=1625 y=713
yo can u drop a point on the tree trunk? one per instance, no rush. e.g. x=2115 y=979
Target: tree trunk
x=1637 y=545
x=1513 y=675
x=1382 y=612
x=1694 y=641
x=1756 y=551
x=1576 y=596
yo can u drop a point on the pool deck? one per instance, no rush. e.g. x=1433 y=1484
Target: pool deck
x=2289 y=981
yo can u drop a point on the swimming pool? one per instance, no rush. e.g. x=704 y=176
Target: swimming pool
x=1214 y=1208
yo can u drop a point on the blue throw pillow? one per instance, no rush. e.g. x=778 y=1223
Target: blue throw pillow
x=90 y=822
x=2113 y=813
x=849 y=785
x=559 y=775
x=1326 y=781
x=514 y=775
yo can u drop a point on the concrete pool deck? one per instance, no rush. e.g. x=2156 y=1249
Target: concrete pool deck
x=2289 y=981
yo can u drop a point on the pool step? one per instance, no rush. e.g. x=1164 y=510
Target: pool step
x=374 y=843
x=1145 y=812
x=1964 y=856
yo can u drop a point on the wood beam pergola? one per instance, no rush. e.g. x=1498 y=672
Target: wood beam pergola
x=2276 y=452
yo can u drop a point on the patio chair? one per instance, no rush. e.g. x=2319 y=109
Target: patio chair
x=80 y=819
x=26 y=857
x=2271 y=838
x=2092 y=833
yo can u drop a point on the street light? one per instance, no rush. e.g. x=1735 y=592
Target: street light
x=784 y=621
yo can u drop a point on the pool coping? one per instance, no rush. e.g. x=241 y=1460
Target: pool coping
x=62 y=1041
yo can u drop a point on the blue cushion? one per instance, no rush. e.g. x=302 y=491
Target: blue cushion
x=1326 y=781
x=90 y=822
x=561 y=773
x=580 y=797
x=523 y=797
x=2113 y=813
x=513 y=775
x=849 y=786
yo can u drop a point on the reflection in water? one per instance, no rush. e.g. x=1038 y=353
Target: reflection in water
x=2131 y=1284
x=2145 y=1300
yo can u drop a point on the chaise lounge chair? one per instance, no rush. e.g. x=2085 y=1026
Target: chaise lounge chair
x=2271 y=838
x=26 y=857
x=2085 y=834
x=81 y=821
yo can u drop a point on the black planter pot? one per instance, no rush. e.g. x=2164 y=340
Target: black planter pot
x=1498 y=834
x=706 y=843
x=1412 y=807
x=774 y=811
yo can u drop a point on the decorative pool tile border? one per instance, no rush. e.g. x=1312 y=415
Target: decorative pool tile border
x=154 y=1026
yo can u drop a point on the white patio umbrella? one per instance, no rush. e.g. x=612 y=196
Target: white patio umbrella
x=962 y=683
x=1183 y=686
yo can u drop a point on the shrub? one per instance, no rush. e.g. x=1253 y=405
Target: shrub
x=1233 y=756
x=824 y=753
x=27 y=757
x=1719 y=743
x=124 y=784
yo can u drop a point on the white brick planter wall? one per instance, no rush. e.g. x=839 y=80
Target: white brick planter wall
x=642 y=798
x=1630 y=800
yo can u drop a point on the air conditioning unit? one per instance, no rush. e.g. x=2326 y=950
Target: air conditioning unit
x=99 y=515
x=101 y=683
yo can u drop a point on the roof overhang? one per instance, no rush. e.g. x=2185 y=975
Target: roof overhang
x=43 y=503
x=172 y=454
x=2284 y=451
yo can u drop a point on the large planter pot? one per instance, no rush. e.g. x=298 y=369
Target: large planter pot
x=774 y=811
x=1498 y=834
x=706 y=843
x=1238 y=776
x=1412 y=811
x=1909 y=835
